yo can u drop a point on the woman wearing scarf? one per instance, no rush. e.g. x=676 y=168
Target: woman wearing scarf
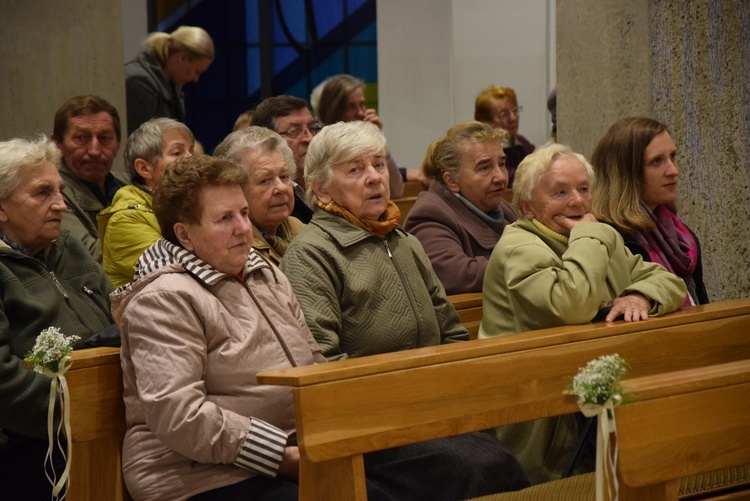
x=366 y=287
x=270 y=164
x=462 y=215
x=636 y=191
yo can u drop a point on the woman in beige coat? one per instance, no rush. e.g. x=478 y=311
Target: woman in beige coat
x=204 y=315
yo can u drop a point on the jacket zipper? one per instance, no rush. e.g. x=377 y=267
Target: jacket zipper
x=96 y=301
x=58 y=284
x=408 y=293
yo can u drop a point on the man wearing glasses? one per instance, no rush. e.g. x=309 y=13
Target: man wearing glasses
x=291 y=118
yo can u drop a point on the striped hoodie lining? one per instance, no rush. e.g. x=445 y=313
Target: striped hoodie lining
x=163 y=253
x=262 y=449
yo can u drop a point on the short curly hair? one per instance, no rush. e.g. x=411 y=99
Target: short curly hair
x=177 y=195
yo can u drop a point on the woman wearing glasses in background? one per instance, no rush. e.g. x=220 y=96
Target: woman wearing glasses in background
x=499 y=107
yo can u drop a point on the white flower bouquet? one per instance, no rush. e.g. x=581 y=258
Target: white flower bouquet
x=599 y=381
x=51 y=357
x=598 y=389
x=50 y=352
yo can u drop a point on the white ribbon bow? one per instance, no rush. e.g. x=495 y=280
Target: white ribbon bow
x=58 y=385
x=606 y=456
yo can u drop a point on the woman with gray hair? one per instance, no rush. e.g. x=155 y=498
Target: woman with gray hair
x=461 y=217
x=129 y=226
x=556 y=265
x=48 y=280
x=270 y=165
x=366 y=287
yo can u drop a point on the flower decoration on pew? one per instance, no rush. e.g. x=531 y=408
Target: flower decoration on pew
x=598 y=389
x=51 y=356
x=599 y=382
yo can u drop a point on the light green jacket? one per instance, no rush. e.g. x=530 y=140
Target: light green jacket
x=362 y=295
x=534 y=281
x=127 y=228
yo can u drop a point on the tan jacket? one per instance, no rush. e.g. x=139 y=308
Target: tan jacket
x=287 y=231
x=193 y=340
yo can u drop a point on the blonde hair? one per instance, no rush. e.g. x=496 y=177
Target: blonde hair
x=191 y=39
x=446 y=154
x=483 y=103
x=336 y=144
x=535 y=164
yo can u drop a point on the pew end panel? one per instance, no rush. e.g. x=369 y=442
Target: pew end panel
x=97 y=415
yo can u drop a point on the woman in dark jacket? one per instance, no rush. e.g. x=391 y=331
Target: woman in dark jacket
x=154 y=79
x=636 y=192
x=460 y=218
x=47 y=279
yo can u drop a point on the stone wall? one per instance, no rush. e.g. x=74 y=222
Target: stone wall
x=700 y=88
x=686 y=63
x=51 y=51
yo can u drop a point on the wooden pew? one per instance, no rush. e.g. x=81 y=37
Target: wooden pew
x=348 y=408
x=681 y=424
x=97 y=415
x=404 y=205
x=469 y=309
x=412 y=189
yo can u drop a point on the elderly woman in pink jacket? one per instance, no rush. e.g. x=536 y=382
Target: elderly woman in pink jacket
x=204 y=315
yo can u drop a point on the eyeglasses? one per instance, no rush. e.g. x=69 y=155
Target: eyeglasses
x=298 y=130
x=505 y=114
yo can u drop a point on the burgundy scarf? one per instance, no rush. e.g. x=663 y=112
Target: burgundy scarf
x=672 y=245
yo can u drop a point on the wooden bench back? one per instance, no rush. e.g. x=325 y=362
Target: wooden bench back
x=681 y=424
x=469 y=309
x=348 y=408
x=404 y=206
x=412 y=189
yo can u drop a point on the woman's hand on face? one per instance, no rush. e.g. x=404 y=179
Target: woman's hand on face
x=633 y=308
x=372 y=116
x=289 y=467
x=569 y=223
